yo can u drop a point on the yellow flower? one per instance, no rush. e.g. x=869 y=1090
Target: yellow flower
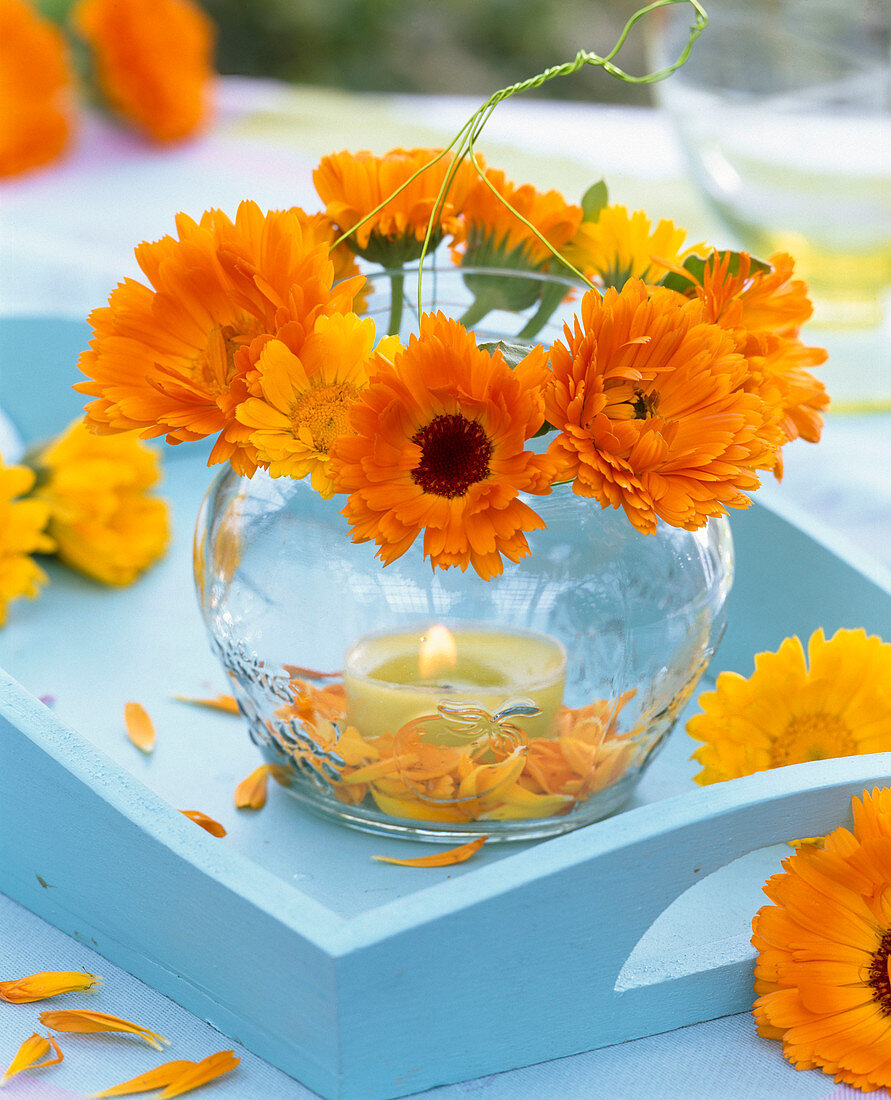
x=47 y=983
x=102 y=520
x=786 y=713
x=29 y=1054
x=823 y=973
x=620 y=246
x=22 y=533
x=303 y=397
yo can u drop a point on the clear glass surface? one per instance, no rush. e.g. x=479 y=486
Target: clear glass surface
x=564 y=677
x=783 y=114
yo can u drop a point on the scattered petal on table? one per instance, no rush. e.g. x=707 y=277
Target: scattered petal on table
x=439 y=859
x=209 y=1068
x=29 y=1054
x=139 y=726
x=84 y=1022
x=225 y=703
x=47 y=983
x=250 y=794
x=207 y=823
x=156 y=1078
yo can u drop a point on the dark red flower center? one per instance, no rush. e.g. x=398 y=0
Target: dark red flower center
x=880 y=976
x=455 y=454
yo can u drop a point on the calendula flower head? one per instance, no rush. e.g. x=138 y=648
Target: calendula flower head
x=354 y=185
x=22 y=533
x=795 y=707
x=304 y=397
x=492 y=235
x=439 y=447
x=619 y=246
x=823 y=974
x=103 y=519
x=650 y=402
x=764 y=309
x=152 y=62
x=164 y=358
x=37 y=81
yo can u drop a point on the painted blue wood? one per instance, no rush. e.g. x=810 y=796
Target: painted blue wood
x=511 y=963
x=363 y=980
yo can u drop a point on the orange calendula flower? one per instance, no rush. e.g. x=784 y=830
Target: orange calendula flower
x=83 y=1022
x=823 y=974
x=103 y=520
x=22 y=533
x=653 y=416
x=619 y=246
x=250 y=794
x=164 y=358
x=47 y=983
x=491 y=235
x=140 y=728
x=833 y=701
x=176 y=1077
x=439 y=447
x=153 y=62
x=765 y=310
x=36 y=86
x=29 y=1056
x=304 y=399
x=439 y=859
x=209 y=824
x=354 y=185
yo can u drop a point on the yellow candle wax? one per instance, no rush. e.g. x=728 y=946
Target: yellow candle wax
x=391 y=677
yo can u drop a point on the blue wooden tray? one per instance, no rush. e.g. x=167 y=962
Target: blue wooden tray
x=362 y=979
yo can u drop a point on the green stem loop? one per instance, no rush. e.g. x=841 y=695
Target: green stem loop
x=464 y=141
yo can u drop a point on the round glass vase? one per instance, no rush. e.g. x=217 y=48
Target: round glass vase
x=432 y=704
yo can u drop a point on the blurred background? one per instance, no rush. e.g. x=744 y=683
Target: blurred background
x=435 y=46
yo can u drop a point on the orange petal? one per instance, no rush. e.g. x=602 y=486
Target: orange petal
x=439 y=859
x=250 y=794
x=48 y=983
x=83 y=1022
x=156 y=1078
x=208 y=823
x=139 y=726
x=209 y=1068
x=225 y=703
x=29 y=1054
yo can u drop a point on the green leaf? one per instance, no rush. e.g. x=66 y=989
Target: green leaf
x=513 y=353
x=594 y=200
x=696 y=266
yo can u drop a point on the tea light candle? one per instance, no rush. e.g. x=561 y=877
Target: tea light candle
x=391 y=677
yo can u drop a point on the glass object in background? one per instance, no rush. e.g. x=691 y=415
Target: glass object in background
x=434 y=704
x=783 y=115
